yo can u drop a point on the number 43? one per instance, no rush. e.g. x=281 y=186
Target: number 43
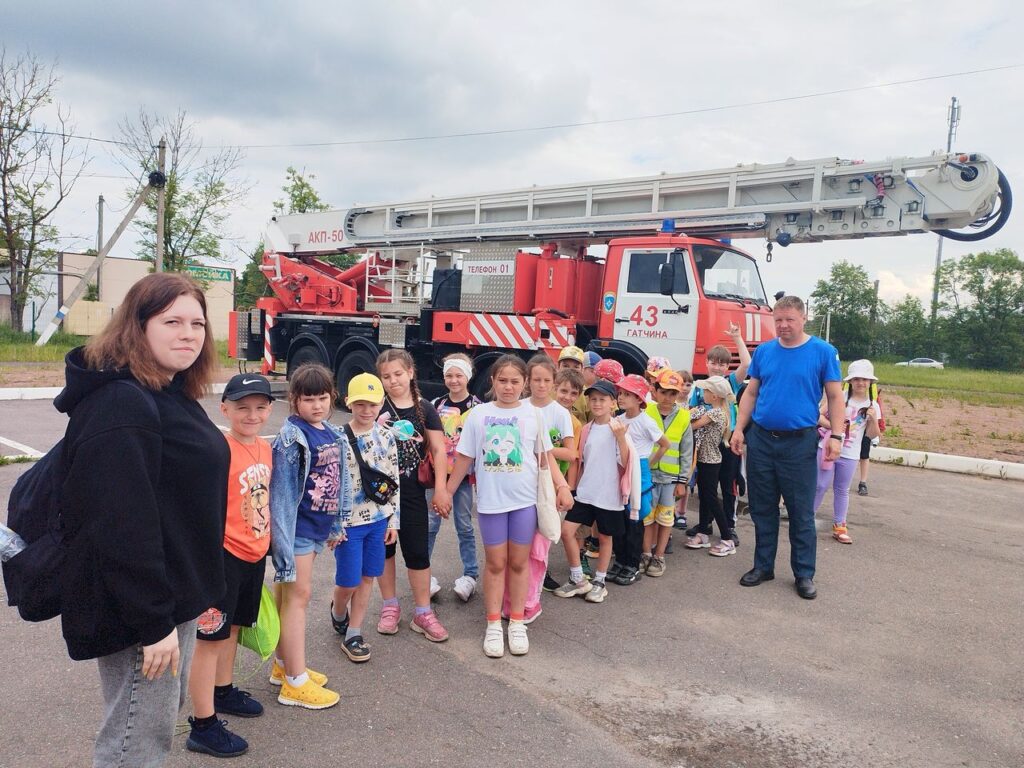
x=638 y=316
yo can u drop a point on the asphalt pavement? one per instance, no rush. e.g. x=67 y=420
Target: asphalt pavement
x=910 y=656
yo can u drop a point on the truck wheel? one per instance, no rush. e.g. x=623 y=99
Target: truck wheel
x=306 y=354
x=352 y=364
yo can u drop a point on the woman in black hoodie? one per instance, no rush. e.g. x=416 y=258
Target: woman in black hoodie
x=145 y=500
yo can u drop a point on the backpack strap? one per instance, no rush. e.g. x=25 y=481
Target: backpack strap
x=355 y=446
x=584 y=433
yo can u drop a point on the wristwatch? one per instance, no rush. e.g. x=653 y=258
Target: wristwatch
x=836 y=437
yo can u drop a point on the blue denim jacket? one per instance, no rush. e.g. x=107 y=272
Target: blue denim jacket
x=287 y=484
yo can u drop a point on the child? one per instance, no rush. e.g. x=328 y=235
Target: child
x=605 y=450
x=581 y=410
x=862 y=417
x=644 y=434
x=867 y=442
x=710 y=423
x=683 y=400
x=403 y=403
x=671 y=474
x=718 y=361
x=609 y=370
x=246 y=404
x=571 y=358
x=540 y=376
x=505 y=438
x=373 y=523
x=569 y=386
x=452 y=409
x=309 y=491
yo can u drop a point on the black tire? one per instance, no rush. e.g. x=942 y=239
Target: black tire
x=302 y=355
x=353 y=363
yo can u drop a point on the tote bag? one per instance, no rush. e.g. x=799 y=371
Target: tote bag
x=263 y=636
x=549 y=522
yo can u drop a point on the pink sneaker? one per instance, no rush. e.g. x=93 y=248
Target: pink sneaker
x=389 y=616
x=428 y=625
x=529 y=615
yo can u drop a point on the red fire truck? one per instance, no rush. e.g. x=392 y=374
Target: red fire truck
x=628 y=268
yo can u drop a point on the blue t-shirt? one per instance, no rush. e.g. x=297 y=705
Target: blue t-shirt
x=791 y=382
x=319 y=502
x=697 y=398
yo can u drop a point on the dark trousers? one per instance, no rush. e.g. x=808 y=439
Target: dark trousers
x=727 y=479
x=628 y=546
x=710 y=508
x=786 y=467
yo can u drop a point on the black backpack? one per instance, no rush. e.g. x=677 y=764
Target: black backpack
x=378 y=486
x=32 y=577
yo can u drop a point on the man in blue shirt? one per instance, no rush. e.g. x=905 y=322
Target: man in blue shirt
x=777 y=421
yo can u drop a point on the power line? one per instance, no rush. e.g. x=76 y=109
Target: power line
x=560 y=126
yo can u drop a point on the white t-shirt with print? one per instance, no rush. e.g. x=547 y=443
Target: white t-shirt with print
x=599 y=483
x=558 y=420
x=503 y=443
x=856 y=418
x=643 y=431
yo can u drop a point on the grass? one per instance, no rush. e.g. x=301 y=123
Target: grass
x=5 y=460
x=21 y=348
x=950 y=380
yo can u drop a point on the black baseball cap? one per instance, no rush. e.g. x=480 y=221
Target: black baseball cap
x=602 y=386
x=245 y=384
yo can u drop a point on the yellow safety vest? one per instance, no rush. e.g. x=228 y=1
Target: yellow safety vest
x=669 y=463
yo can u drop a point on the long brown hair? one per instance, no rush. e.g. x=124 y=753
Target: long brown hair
x=123 y=344
x=400 y=355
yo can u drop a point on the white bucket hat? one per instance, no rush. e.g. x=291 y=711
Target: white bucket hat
x=861 y=369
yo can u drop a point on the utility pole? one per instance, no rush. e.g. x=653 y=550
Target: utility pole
x=161 y=196
x=953 y=118
x=99 y=238
x=156 y=181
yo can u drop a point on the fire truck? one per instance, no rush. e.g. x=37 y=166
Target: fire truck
x=629 y=268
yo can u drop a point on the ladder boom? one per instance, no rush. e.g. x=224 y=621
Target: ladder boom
x=794 y=201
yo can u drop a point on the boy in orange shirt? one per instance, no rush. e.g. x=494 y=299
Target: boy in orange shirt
x=246 y=404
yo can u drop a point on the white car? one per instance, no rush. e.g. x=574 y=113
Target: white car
x=923 y=362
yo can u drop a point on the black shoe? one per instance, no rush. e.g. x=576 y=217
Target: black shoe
x=668 y=547
x=755 y=576
x=613 y=571
x=806 y=589
x=356 y=650
x=735 y=537
x=628 y=575
x=550 y=585
x=693 y=530
x=680 y=523
x=215 y=740
x=341 y=627
x=862 y=489
x=237 y=703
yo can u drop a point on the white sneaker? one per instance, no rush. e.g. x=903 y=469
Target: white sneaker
x=494 y=641
x=465 y=586
x=435 y=587
x=518 y=642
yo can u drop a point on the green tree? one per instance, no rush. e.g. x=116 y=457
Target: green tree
x=982 y=306
x=201 y=188
x=850 y=297
x=903 y=331
x=38 y=169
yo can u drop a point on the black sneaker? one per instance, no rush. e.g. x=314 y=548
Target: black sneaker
x=735 y=537
x=215 y=740
x=341 y=627
x=680 y=523
x=356 y=649
x=550 y=585
x=693 y=530
x=614 y=570
x=862 y=489
x=237 y=703
x=628 y=575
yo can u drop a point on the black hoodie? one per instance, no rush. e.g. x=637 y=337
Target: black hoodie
x=144 y=505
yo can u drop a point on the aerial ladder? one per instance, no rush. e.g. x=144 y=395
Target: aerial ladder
x=405 y=246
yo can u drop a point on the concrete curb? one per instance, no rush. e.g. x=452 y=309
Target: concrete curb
x=965 y=465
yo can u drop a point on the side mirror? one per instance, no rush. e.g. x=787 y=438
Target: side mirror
x=667 y=275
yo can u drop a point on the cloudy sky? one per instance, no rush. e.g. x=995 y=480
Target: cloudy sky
x=258 y=73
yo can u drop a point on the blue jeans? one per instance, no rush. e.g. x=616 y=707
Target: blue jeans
x=462 y=512
x=783 y=466
x=140 y=715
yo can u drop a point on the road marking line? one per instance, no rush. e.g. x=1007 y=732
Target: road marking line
x=25 y=450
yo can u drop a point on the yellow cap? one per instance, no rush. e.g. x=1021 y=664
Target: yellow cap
x=365 y=388
x=571 y=353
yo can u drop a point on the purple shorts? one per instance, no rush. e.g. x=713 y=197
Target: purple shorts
x=517 y=526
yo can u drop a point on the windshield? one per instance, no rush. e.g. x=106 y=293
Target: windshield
x=727 y=274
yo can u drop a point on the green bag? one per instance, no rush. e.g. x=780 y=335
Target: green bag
x=262 y=638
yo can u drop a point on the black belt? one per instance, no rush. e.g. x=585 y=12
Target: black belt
x=778 y=433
